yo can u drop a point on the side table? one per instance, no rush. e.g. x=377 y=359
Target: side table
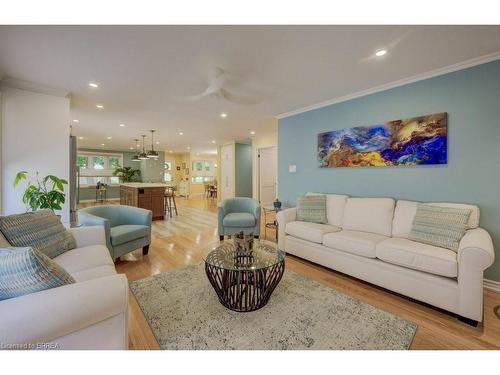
x=271 y=224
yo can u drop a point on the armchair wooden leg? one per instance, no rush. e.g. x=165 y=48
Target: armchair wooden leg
x=145 y=250
x=256 y=237
x=221 y=238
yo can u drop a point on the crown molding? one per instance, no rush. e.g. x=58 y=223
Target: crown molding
x=14 y=83
x=405 y=81
x=491 y=285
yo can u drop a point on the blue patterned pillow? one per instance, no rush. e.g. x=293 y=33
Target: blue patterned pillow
x=41 y=230
x=25 y=270
x=312 y=208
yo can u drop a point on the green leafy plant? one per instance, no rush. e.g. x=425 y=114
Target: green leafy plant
x=47 y=192
x=127 y=174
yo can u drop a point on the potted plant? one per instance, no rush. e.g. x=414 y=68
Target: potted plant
x=47 y=192
x=127 y=174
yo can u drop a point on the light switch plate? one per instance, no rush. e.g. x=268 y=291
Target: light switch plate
x=292 y=168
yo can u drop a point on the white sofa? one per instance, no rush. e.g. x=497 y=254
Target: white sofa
x=90 y=314
x=368 y=238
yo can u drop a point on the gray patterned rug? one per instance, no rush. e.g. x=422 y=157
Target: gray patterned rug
x=184 y=313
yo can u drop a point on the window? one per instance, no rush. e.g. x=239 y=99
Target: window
x=98 y=167
x=168 y=171
x=203 y=172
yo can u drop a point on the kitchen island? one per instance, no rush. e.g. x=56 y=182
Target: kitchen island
x=149 y=196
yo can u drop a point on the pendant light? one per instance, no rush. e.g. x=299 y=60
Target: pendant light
x=143 y=155
x=136 y=155
x=152 y=153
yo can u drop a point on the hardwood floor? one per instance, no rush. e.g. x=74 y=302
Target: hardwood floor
x=180 y=241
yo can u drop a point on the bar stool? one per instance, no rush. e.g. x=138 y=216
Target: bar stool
x=170 y=201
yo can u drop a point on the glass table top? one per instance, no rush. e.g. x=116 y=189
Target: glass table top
x=263 y=255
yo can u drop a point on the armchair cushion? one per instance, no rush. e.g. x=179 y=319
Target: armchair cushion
x=239 y=219
x=27 y=270
x=125 y=233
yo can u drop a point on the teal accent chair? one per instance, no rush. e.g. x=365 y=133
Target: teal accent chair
x=127 y=228
x=238 y=215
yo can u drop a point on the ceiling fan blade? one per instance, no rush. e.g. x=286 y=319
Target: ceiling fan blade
x=239 y=99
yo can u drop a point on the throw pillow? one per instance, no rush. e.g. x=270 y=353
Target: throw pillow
x=439 y=226
x=41 y=230
x=312 y=208
x=26 y=270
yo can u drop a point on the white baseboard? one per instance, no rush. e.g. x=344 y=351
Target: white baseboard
x=492 y=285
x=93 y=200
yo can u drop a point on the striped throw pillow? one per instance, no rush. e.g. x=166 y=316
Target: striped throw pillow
x=312 y=208
x=439 y=226
x=41 y=230
x=25 y=270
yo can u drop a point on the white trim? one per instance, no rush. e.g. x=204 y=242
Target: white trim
x=405 y=81
x=20 y=84
x=491 y=285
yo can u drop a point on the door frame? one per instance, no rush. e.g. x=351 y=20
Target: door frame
x=257 y=156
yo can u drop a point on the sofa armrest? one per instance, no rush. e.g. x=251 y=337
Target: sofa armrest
x=47 y=315
x=283 y=217
x=476 y=250
x=88 y=236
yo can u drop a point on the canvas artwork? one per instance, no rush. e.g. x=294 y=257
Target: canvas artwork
x=415 y=141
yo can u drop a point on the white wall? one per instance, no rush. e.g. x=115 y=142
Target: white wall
x=35 y=137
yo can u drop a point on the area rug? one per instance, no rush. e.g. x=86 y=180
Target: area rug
x=184 y=313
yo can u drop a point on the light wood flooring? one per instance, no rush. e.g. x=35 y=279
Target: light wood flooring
x=180 y=241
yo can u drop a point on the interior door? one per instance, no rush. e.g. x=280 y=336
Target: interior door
x=227 y=171
x=267 y=175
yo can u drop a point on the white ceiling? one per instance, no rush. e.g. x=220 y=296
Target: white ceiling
x=143 y=72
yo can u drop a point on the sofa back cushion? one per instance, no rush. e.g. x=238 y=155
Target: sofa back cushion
x=335 y=205
x=26 y=270
x=372 y=215
x=41 y=230
x=405 y=213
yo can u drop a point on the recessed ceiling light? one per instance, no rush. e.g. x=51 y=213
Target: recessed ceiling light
x=223 y=115
x=157 y=142
x=380 y=53
x=80 y=138
x=76 y=121
x=93 y=84
x=252 y=133
x=170 y=151
x=181 y=133
x=108 y=137
x=100 y=106
x=214 y=142
x=131 y=148
x=189 y=148
x=122 y=125
x=103 y=144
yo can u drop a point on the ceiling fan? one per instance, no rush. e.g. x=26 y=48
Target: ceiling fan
x=223 y=85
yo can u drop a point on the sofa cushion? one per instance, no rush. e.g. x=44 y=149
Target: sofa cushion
x=405 y=213
x=313 y=232
x=125 y=233
x=27 y=270
x=354 y=242
x=418 y=256
x=335 y=205
x=312 y=208
x=94 y=273
x=239 y=219
x=83 y=258
x=439 y=226
x=41 y=230
x=372 y=215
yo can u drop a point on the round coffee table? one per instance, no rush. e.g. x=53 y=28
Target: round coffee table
x=244 y=282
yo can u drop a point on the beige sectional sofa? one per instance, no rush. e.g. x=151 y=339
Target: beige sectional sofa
x=368 y=238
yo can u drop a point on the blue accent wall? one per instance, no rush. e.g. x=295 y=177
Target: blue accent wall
x=471 y=97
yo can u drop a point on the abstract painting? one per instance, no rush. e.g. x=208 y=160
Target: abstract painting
x=415 y=141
